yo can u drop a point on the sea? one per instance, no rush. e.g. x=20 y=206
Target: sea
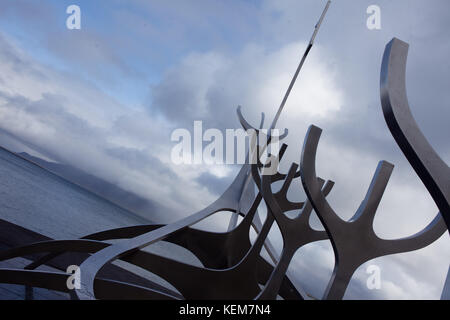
x=41 y=201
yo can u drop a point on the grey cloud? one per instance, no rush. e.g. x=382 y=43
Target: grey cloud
x=53 y=126
x=215 y=184
x=208 y=85
x=135 y=158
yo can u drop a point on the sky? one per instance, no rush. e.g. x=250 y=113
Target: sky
x=107 y=97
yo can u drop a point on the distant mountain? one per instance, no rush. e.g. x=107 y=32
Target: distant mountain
x=104 y=189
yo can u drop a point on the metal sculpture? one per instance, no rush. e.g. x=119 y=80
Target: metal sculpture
x=232 y=266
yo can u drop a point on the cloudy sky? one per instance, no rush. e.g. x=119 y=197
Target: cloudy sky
x=106 y=99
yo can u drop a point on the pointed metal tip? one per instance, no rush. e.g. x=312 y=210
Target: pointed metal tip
x=316 y=28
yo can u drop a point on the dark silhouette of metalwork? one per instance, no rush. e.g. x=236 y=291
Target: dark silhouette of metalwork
x=232 y=266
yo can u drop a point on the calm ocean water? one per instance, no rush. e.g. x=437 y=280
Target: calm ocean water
x=40 y=201
x=43 y=202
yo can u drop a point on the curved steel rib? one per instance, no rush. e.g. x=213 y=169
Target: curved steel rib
x=431 y=169
x=355 y=242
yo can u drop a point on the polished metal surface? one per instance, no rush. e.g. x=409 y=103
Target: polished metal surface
x=431 y=169
x=428 y=165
